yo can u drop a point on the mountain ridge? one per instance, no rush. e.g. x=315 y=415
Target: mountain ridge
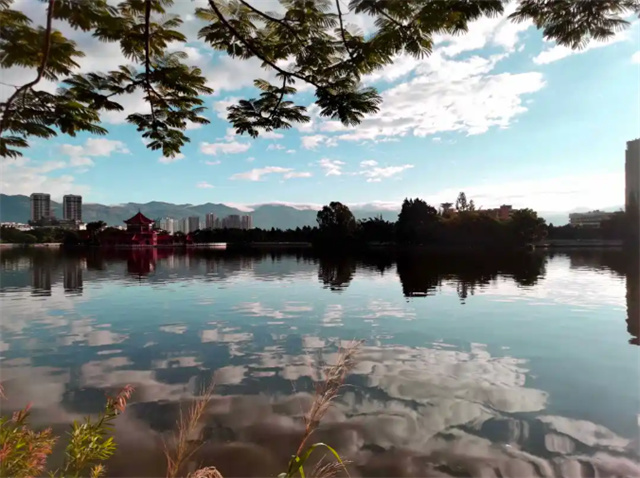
x=17 y=208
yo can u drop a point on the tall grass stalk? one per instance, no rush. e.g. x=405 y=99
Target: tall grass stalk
x=183 y=447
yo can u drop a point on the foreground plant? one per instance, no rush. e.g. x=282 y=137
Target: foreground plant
x=24 y=451
x=326 y=391
x=182 y=449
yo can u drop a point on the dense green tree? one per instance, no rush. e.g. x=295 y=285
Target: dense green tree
x=305 y=42
x=15 y=236
x=461 y=202
x=527 y=227
x=336 y=220
x=376 y=229
x=95 y=227
x=416 y=221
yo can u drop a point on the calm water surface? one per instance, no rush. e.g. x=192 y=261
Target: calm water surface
x=493 y=366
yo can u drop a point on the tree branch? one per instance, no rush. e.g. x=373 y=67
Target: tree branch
x=46 y=50
x=342 y=32
x=275 y=108
x=255 y=51
x=273 y=19
x=147 y=60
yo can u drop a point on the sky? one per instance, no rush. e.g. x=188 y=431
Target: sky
x=498 y=113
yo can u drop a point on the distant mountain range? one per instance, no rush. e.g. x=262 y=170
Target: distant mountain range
x=18 y=209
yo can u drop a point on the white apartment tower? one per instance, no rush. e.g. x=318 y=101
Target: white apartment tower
x=247 y=222
x=194 y=223
x=210 y=221
x=632 y=190
x=72 y=207
x=632 y=175
x=40 y=206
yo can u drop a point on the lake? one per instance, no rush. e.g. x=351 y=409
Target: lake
x=520 y=365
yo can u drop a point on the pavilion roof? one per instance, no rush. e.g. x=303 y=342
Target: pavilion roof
x=139 y=219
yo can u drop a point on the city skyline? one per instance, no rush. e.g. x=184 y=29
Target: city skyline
x=502 y=115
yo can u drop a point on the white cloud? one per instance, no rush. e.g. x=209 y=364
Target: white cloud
x=312 y=142
x=554 y=194
x=258 y=173
x=250 y=159
x=80 y=155
x=220 y=107
x=167 y=160
x=132 y=103
x=191 y=126
x=558 y=52
x=332 y=167
x=233 y=147
x=81 y=161
x=487 y=31
x=635 y=58
x=204 y=185
x=212 y=163
x=274 y=146
x=23 y=176
x=369 y=163
x=271 y=135
x=376 y=174
x=454 y=96
x=291 y=151
x=293 y=174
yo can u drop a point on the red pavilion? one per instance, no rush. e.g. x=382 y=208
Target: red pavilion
x=140 y=231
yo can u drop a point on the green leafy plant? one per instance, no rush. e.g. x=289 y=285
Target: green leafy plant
x=307 y=42
x=24 y=452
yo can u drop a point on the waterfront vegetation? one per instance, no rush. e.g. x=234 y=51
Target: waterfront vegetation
x=24 y=452
x=418 y=224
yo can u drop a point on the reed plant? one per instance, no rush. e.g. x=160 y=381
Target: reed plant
x=24 y=451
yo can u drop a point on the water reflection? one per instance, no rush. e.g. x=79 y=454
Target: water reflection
x=473 y=380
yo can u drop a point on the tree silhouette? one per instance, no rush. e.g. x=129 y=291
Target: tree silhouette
x=308 y=42
x=336 y=220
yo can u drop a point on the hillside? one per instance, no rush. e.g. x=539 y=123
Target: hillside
x=17 y=209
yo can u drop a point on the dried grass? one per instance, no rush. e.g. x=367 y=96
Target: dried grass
x=328 y=389
x=328 y=470
x=184 y=448
x=208 y=472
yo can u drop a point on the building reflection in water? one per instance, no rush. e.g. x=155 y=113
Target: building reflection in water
x=142 y=262
x=633 y=302
x=625 y=265
x=72 y=278
x=41 y=279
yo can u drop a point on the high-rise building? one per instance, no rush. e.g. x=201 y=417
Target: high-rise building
x=193 y=223
x=40 y=206
x=589 y=219
x=246 y=222
x=632 y=188
x=72 y=208
x=232 y=222
x=184 y=225
x=632 y=171
x=167 y=224
x=210 y=221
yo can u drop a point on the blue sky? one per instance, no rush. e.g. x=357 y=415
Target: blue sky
x=498 y=113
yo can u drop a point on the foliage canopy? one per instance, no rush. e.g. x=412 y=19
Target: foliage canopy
x=306 y=42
